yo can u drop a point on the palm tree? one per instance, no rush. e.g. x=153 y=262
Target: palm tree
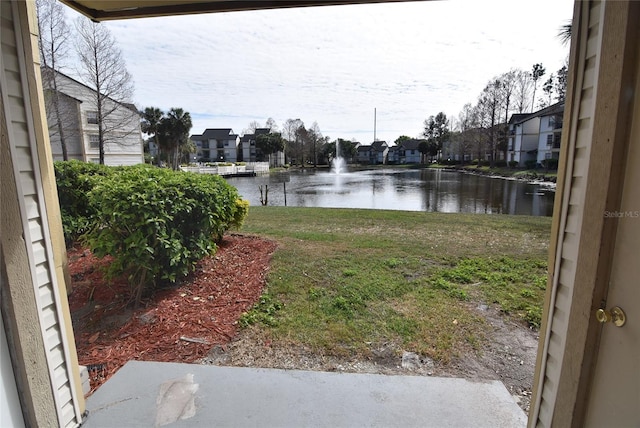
x=564 y=33
x=151 y=119
x=177 y=125
x=537 y=72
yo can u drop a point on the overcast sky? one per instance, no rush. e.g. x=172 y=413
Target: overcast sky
x=334 y=65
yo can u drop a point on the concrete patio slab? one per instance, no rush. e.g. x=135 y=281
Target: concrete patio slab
x=146 y=394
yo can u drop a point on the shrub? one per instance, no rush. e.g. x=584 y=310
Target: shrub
x=550 y=164
x=75 y=180
x=501 y=163
x=530 y=164
x=240 y=213
x=157 y=223
x=513 y=164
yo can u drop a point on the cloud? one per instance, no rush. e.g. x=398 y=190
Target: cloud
x=334 y=65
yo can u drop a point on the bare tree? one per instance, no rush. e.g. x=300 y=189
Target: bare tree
x=479 y=134
x=53 y=33
x=302 y=137
x=523 y=85
x=466 y=124
x=315 y=138
x=104 y=70
x=289 y=129
x=251 y=129
x=509 y=90
x=271 y=124
x=491 y=103
x=290 y=133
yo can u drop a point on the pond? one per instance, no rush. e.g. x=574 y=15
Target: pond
x=433 y=190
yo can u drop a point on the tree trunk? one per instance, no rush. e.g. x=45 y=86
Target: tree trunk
x=100 y=134
x=492 y=133
x=56 y=108
x=59 y=125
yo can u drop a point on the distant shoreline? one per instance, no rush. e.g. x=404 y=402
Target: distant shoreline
x=528 y=176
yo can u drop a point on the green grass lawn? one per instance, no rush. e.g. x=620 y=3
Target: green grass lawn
x=345 y=281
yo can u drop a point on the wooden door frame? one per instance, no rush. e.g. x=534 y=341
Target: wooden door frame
x=613 y=71
x=612 y=25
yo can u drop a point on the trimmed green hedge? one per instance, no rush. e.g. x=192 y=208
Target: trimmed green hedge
x=155 y=223
x=75 y=180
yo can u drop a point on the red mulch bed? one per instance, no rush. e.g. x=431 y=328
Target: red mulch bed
x=180 y=324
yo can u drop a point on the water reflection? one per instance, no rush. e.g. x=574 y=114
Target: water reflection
x=398 y=189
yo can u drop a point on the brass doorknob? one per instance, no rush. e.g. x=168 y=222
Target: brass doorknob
x=615 y=315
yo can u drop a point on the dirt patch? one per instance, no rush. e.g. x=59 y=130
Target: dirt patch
x=197 y=322
x=509 y=355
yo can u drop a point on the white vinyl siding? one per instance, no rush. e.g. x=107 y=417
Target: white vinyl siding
x=35 y=229
x=123 y=140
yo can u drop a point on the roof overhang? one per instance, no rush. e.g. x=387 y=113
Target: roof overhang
x=104 y=10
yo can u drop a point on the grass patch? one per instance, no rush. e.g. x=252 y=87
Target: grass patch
x=517 y=286
x=344 y=281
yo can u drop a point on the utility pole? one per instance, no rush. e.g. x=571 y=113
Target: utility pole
x=374 y=124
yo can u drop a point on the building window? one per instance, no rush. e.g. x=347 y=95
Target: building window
x=547 y=155
x=205 y=144
x=94 y=141
x=92 y=117
x=555 y=122
x=549 y=139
